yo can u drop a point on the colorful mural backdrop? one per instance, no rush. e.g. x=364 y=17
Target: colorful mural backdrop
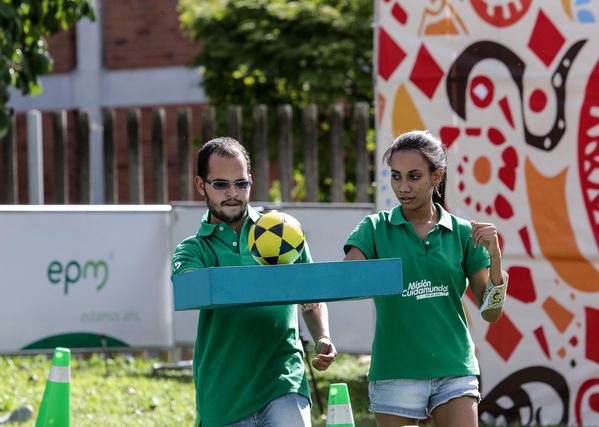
x=512 y=88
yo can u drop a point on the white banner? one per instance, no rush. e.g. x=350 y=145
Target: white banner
x=85 y=277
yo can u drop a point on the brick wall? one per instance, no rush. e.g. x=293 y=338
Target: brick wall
x=136 y=34
x=144 y=33
x=73 y=152
x=63 y=49
x=172 y=152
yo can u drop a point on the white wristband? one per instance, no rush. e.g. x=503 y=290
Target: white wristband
x=494 y=296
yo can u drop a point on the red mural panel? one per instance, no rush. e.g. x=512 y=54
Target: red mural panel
x=512 y=89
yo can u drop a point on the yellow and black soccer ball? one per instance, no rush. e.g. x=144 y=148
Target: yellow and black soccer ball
x=276 y=238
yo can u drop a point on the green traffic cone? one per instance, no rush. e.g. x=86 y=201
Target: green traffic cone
x=55 y=409
x=339 y=413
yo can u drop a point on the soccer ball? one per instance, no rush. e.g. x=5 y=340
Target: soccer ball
x=276 y=238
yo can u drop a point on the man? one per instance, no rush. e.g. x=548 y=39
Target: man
x=248 y=361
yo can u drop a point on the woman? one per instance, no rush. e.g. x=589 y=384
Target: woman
x=423 y=361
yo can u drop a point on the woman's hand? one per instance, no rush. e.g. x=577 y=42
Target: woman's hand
x=484 y=233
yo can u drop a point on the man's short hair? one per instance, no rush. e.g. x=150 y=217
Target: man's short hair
x=223 y=146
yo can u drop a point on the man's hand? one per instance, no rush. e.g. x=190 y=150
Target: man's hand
x=325 y=354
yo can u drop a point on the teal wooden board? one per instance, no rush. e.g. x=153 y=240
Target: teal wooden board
x=216 y=287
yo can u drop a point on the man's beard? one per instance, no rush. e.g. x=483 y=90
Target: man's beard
x=217 y=212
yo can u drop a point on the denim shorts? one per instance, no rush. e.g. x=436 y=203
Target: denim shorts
x=289 y=410
x=417 y=398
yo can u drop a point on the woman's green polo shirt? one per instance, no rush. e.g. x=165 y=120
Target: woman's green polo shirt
x=423 y=332
x=245 y=356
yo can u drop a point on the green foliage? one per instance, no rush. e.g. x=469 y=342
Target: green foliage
x=298 y=192
x=274 y=192
x=279 y=51
x=24 y=56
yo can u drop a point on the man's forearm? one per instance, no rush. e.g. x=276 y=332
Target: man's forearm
x=317 y=321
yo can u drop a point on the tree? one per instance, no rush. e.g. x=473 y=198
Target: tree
x=24 y=56
x=285 y=52
x=282 y=51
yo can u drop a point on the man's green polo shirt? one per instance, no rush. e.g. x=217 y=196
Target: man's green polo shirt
x=246 y=356
x=423 y=332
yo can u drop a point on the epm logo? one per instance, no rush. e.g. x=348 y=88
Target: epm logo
x=94 y=272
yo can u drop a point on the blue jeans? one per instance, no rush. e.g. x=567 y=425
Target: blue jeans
x=418 y=398
x=289 y=410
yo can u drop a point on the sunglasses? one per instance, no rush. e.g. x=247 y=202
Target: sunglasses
x=222 y=184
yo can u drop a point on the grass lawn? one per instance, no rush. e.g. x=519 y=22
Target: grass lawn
x=118 y=391
x=124 y=391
